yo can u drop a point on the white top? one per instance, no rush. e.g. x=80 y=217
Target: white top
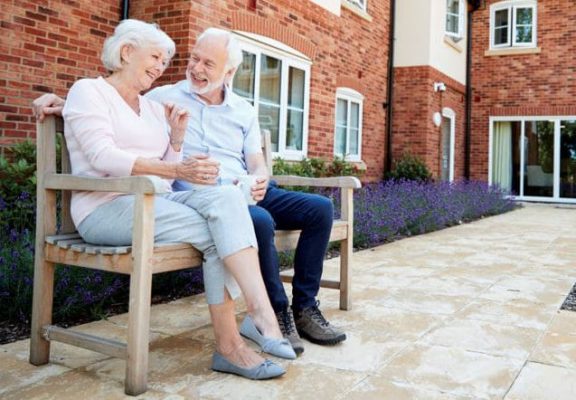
x=105 y=136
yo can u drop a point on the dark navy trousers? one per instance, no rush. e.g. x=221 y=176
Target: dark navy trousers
x=286 y=210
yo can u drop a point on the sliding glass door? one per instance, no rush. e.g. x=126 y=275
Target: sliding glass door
x=534 y=159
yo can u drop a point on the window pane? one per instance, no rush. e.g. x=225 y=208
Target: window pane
x=523 y=34
x=524 y=16
x=453 y=6
x=243 y=84
x=452 y=24
x=501 y=18
x=270 y=70
x=354 y=115
x=342 y=112
x=501 y=36
x=269 y=118
x=539 y=158
x=295 y=88
x=340 y=141
x=353 y=150
x=568 y=159
x=294 y=125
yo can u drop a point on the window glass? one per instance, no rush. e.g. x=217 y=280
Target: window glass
x=245 y=77
x=453 y=17
x=348 y=129
x=501 y=27
x=523 y=25
x=270 y=79
x=269 y=118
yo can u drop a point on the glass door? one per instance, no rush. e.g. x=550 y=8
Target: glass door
x=568 y=159
x=539 y=158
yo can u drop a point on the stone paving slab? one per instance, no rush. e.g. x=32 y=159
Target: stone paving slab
x=469 y=312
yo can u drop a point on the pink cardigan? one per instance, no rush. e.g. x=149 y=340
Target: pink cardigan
x=105 y=136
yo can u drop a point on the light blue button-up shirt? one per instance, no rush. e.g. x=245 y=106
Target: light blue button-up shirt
x=228 y=132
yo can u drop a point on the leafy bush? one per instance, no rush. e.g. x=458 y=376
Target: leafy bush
x=315 y=168
x=409 y=167
x=18 y=187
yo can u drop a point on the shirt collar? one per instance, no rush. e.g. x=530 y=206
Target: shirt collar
x=230 y=98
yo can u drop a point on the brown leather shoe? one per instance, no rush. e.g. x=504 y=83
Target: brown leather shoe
x=312 y=325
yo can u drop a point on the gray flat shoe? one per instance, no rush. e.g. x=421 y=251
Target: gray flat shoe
x=266 y=370
x=277 y=347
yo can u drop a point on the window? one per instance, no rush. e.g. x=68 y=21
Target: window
x=455 y=18
x=513 y=24
x=361 y=4
x=348 y=127
x=277 y=82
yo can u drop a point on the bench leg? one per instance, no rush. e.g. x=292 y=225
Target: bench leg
x=138 y=331
x=41 y=309
x=345 y=262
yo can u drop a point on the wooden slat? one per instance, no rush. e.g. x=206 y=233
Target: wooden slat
x=86 y=341
x=325 y=283
x=55 y=238
x=287 y=240
x=66 y=244
x=129 y=184
x=121 y=263
x=339 y=181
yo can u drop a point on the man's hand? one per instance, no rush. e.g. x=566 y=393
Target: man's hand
x=199 y=169
x=259 y=189
x=47 y=104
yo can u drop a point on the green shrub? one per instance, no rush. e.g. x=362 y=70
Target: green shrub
x=315 y=168
x=18 y=187
x=409 y=167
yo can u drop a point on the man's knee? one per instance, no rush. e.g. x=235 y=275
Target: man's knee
x=323 y=210
x=263 y=222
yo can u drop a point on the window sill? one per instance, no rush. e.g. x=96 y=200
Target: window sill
x=358 y=163
x=452 y=43
x=355 y=10
x=512 y=51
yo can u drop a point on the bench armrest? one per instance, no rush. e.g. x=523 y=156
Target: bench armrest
x=131 y=184
x=338 y=181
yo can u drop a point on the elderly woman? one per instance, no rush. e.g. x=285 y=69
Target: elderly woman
x=111 y=130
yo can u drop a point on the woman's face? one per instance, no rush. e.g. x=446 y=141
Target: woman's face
x=143 y=65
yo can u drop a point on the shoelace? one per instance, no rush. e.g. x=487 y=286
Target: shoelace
x=286 y=325
x=316 y=315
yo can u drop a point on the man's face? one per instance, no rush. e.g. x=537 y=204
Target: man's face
x=207 y=66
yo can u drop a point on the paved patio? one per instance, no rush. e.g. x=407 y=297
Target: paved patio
x=470 y=312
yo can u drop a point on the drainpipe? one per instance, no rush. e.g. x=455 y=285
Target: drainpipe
x=125 y=11
x=390 y=86
x=475 y=4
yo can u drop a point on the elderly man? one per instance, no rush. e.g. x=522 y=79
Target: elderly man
x=224 y=127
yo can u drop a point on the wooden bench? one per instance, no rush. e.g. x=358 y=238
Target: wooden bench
x=140 y=260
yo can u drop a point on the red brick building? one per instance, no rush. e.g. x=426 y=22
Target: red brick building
x=318 y=73
x=524 y=84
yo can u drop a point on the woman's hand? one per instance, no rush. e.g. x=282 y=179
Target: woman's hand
x=177 y=118
x=46 y=104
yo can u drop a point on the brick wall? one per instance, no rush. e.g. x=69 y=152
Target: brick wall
x=415 y=102
x=49 y=48
x=46 y=46
x=524 y=85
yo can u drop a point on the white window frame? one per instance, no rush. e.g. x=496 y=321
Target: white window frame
x=449 y=114
x=512 y=6
x=557 y=119
x=460 y=33
x=350 y=96
x=360 y=4
x=260 y=45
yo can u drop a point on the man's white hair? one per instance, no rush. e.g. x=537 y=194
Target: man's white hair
x=234 y=58
x=135 y=33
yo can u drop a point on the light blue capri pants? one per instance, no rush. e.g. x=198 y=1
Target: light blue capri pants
x=213 y=219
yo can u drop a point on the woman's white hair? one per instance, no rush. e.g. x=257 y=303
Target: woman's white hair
x=134 y=33
x=232 y=46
